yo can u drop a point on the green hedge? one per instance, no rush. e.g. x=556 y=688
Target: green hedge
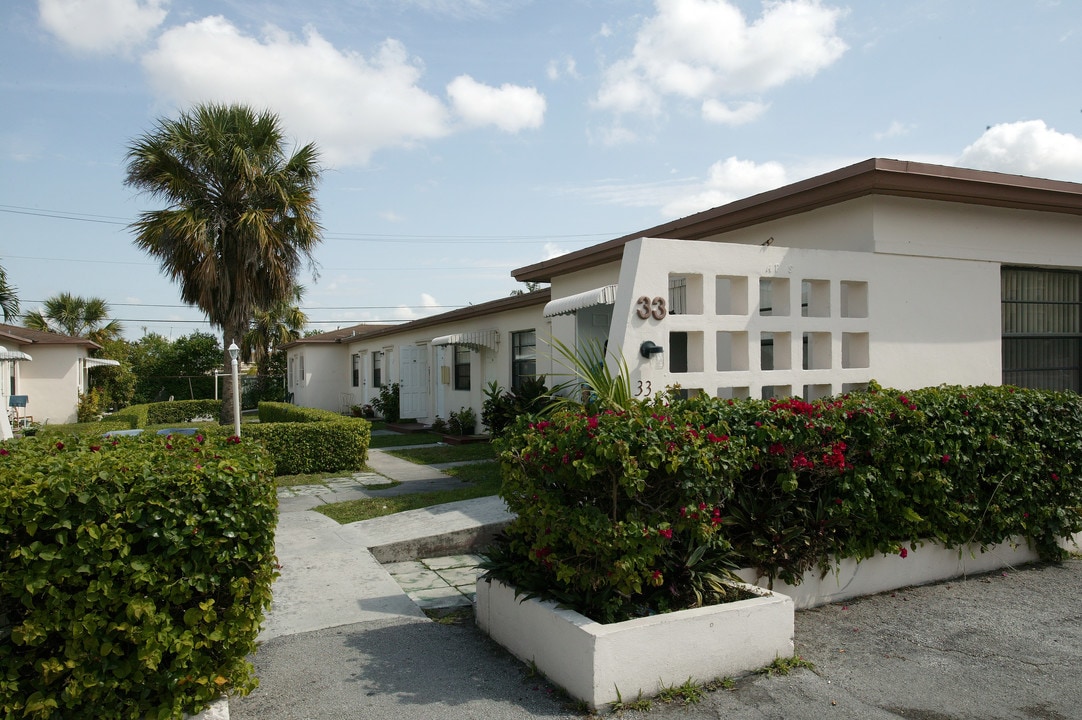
x=172 y=411
x=135 y=416
x=84 y=428
x=135 y=573
x=275 y=412
x=640 y=509
x=309 y=447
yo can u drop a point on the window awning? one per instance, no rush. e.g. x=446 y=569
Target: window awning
x=101 y=362
x=580 y=301
x=475 y=340
x=13 y=355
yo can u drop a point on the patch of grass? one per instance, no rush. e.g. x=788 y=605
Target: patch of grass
x=451 y=616
x=482 y=473
x=447 y=453
x=366 y=509
x=785 y=665
x=398 y=439
x=318 y=478
x=640 y=703
x=689 y=693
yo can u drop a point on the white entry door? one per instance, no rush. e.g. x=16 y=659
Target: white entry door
x=413 y=374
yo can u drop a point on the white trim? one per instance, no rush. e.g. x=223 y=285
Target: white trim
x=580 y=301
x=101 y=362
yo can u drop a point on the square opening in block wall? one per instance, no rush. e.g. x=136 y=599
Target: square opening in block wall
x=777 y=392
x=815 y=298
x=816 y=351
x=685 y=294
x=855 y=350
x=731 y=295
x=817 y=392
x=775 y=351
x=854 y=299
x=685 y=352
x=732 y=351
x=774 y=296
x=854 y=387
x=733 y=393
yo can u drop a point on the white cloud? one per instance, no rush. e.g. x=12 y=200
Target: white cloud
x=706 y=49
x=896 y=129
x=1026 y=148
x=732 y=113
x=730 y=179
x=349 y=105
x=509 y=107
x=560 y=67
x=102 y=26
x=552 y=250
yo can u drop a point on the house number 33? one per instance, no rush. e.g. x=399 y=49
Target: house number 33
x=647 y=308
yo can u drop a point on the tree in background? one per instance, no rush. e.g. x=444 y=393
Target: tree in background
x=271 y=328
x=9 y=297
x=76 y=316
x=241 y=216
x=182 y=369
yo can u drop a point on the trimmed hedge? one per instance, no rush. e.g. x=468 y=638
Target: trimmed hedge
x=135 y=573
x=172 y=411
x=309 y=447
x=276 y=412
x=626 y=511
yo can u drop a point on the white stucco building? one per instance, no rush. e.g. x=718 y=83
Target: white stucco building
x=907 y=273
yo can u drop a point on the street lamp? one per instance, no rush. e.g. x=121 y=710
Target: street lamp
x=234 y=353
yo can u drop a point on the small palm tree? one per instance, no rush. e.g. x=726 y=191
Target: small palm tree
x=76 y=316
x=9 y=297
x=241 y=216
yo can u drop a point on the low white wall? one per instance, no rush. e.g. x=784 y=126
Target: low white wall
x=600 y=663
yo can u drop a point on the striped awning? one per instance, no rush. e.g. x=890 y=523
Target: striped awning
x=101 y=362
x=475 y=340
x=580 y=301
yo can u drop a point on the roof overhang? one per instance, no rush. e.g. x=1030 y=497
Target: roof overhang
x=877 y=176
x=580 y=301
x=474 y=340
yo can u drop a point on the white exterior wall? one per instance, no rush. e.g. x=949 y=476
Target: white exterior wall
x=51 y=382
x=486 y=364
x=905 y=322
x=317 y=375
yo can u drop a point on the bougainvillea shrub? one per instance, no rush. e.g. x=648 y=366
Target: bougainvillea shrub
x=134 y=573
x=643 y=508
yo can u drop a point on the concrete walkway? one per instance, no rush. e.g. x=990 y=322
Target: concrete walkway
x=344 y=640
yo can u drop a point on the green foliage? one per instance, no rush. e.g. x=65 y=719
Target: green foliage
x=90 y=405
x=135 y=576
x=182 y=368
x=786 y=665
x=388 y=402
x=178 y=411
x=311 y=446
x=99 y=428
x=462 y=422
x=645 y=509
x=276 y=412
x=501 y=408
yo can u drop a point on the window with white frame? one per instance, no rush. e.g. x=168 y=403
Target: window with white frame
x=377 y=369
x=462 y=367
x=523 y=357
x=1042 y=328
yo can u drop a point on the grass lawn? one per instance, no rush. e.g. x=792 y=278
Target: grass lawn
x=386 y=441
x=316 y=478
x=479 y=480
x=446 y=453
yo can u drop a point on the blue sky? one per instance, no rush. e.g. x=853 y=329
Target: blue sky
x=464 y=138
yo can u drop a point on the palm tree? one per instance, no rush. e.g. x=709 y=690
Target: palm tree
x=241 y=215
x=76 y=316
x=9 y=297
x=272 y=327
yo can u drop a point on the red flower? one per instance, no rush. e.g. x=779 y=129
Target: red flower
x=233 y=440
x=946 y=459
x=60 y=446
x=3 y=451
x=904 y=553
x=665 y=533
x=95 y=448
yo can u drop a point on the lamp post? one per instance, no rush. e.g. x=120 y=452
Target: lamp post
x=234 y=352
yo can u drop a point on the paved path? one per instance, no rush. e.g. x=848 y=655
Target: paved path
x=344 y=640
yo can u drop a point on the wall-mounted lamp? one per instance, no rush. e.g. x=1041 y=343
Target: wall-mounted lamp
x=648 y=349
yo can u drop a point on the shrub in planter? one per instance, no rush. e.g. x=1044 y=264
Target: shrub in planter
x=388 y=402
x=135 y=574
x=462 y=422
x=639 y=507
x=501 y=407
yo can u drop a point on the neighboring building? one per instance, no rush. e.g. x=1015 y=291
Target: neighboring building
x=56 y=375
x=442 y=363
x=907 y=273
x=317 y=368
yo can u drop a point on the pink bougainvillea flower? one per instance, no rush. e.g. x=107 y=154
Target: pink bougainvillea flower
x=946 y=459
x=233 y=440
x=904 y=553
x=60 y=446
x=95 y=448
x=3 y=451
x=665 y=533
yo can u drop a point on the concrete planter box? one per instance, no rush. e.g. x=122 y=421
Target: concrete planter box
x=592 y=661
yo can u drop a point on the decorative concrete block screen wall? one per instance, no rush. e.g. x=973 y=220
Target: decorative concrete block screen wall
x=747 y=321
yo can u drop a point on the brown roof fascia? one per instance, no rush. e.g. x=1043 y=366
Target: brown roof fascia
x=28 y=336
x=334 y=336
x=492 y=307
x=877 y=176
